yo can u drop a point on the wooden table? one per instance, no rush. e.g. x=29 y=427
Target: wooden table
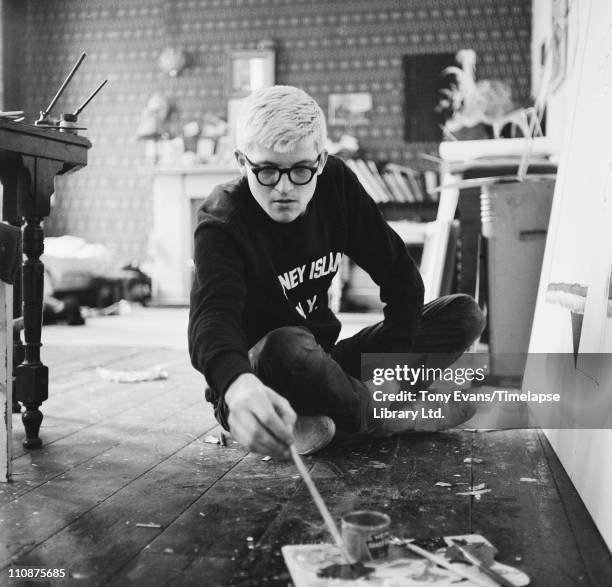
x=30 y=158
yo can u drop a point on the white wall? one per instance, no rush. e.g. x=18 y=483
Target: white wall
x=579 y=246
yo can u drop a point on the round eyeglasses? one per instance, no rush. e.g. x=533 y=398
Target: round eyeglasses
x=269 y=175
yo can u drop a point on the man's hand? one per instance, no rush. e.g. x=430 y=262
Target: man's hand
x=259 y=418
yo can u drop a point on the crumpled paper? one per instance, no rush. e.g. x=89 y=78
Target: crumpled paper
x=134 y=376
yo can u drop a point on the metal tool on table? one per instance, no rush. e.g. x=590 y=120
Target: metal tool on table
x=68 y=121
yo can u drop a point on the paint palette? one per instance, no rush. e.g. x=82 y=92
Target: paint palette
x=400 y=569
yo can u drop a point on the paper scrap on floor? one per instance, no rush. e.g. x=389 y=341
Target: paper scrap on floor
x=151 y=374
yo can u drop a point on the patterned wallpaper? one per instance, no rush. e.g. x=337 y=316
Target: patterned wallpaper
x=325 y=47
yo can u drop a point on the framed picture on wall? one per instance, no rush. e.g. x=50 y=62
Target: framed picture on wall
x=422 y=84
x=350 y=109
x=249 y=70
x=245 y=72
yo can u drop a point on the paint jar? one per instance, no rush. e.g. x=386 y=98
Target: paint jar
x=366 y=535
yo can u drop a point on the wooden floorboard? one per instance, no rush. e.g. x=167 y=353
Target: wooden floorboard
x=85 y=376
x=118 y=455
x=45 y=511
x=396 y=476
x=78 y=401
x=81 y=359
x=76 y=432
x=205 y=570
x=129 y=432
x=106 y=537
x=596 y=558
x=241 y=503
x=524 y=519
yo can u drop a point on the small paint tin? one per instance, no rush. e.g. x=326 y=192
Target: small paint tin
x=366 y=535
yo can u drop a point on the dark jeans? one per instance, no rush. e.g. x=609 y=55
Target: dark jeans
x=290 y=361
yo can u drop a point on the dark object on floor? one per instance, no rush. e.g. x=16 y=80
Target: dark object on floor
x=349 y=572
x=129 y=283
x=136 y=284
x=430 y=544
x=66 y=311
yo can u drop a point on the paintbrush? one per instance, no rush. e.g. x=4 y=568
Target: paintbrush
x=316 y=496
x=439 y=560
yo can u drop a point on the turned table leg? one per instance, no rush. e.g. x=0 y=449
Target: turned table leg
x=32 y=375
x=30 y=158
x=31 y=182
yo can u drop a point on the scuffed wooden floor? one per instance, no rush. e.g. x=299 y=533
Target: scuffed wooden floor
x=117 y=455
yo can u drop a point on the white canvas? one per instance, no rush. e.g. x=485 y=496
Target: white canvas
x=575 y=279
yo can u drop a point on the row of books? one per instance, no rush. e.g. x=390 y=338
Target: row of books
x=395 y=183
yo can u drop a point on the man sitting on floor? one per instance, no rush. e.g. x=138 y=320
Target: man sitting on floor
x=267 y=246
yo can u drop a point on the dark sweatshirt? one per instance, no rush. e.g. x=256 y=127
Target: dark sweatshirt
x=254 y=274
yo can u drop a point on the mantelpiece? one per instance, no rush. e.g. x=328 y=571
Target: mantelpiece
x=177 y=193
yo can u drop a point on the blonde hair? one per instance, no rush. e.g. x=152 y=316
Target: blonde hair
x=278 y=117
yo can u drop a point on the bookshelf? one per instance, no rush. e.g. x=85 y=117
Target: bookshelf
x=411 y=211
x=408 y=203
x=391 y=183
